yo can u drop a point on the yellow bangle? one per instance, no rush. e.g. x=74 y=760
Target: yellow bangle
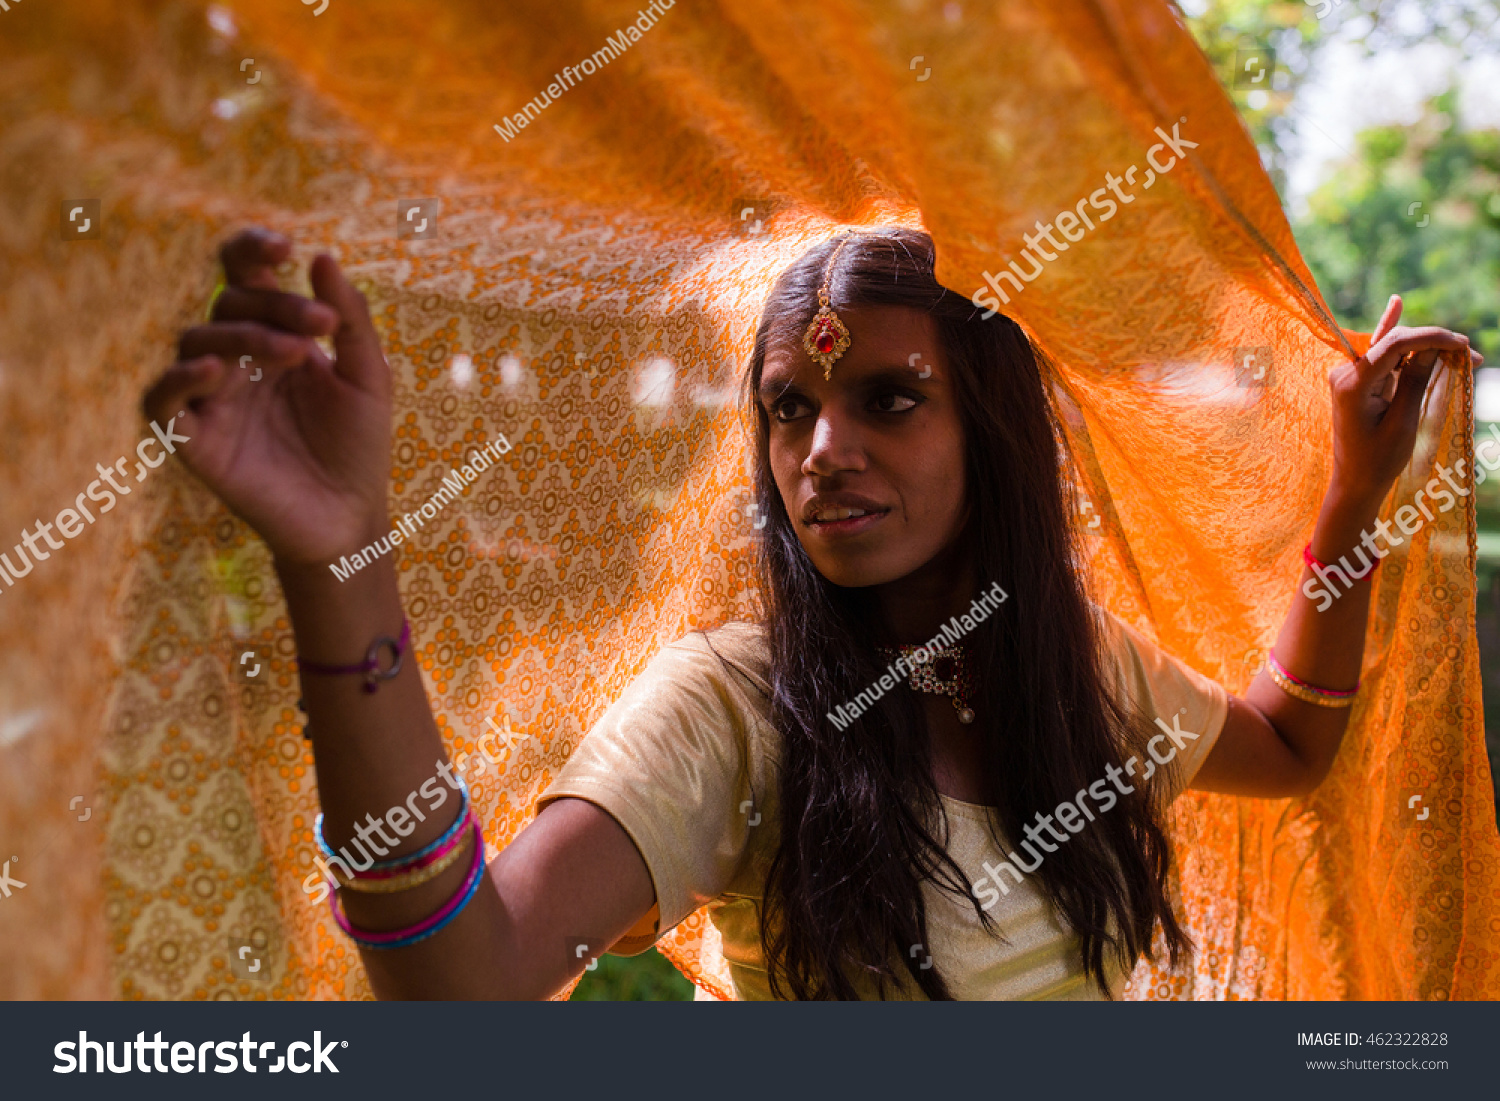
x=1302 y=692
x=405 y=881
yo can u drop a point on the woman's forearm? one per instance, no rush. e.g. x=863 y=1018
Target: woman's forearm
x=1322 y=643
x=374 y=752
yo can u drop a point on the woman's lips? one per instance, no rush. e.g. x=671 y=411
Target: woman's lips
x=854 y=525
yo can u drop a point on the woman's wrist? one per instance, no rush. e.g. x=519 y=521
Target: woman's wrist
x=336 y=620
x=1354 y=494
x=1348 y=515
x=353 y=524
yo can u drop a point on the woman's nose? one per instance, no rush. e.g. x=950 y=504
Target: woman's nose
x=836 y=446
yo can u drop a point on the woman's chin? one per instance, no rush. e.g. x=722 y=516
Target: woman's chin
x=859 y=571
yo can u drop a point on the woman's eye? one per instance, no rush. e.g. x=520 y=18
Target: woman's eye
x=788 y=409
x=894 y=403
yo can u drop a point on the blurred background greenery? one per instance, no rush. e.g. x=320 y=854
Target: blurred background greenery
x=644 y=978
x=1371 y=121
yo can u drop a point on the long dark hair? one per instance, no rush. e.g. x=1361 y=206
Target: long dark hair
x=861 y=825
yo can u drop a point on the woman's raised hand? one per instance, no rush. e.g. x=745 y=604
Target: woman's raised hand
x=296 y=444
x=1377 y=403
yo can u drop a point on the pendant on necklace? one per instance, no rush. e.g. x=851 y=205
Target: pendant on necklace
x=944 y=673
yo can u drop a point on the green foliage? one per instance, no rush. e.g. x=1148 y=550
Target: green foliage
x=1418 y=214
x=649 y=977
x=1417 y=211
x=1229 y=31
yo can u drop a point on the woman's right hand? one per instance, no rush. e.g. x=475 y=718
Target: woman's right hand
x=303 y=452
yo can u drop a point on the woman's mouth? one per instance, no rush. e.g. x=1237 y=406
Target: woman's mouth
x=833 y=522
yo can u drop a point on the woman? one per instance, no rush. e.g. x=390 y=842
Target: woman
x=871 y=805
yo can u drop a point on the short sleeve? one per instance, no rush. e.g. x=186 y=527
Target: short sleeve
x=668 y=762
x=1186 y=708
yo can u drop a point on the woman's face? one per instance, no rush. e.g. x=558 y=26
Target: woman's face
x=881 y=437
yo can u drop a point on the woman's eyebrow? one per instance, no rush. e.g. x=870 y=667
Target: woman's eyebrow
x=774 y=384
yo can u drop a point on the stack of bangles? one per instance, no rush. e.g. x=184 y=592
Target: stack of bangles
x=402 y=873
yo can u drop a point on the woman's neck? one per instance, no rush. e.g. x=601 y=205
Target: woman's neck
x=914 y=606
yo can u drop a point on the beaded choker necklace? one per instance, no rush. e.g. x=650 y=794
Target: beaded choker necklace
x=945 y=673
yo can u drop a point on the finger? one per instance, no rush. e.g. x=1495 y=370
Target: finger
x=1387 y=320
x=250 y=258
x=1405 y=409
x=1385 y=356
x=291 y=313
x=236 y=341
x=356 y=344
x=181 y=384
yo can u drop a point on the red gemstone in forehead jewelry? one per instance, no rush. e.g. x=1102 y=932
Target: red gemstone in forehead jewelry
x=825 y=339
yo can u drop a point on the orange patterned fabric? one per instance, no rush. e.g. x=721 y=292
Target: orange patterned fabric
x=590 y=291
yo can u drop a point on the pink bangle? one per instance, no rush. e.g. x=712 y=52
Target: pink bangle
x=1302 y=690
x=390 y=880
x=1313 y=563
x=390 y=866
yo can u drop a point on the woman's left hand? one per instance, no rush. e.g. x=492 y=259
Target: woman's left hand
x=1377 y=402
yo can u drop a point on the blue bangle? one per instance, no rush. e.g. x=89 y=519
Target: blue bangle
x=397 y=863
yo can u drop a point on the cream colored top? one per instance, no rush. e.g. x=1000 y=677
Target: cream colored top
x=685 y=761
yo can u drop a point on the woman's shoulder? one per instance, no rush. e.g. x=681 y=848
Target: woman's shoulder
x=735 y=652
x=1166 y=689
x=1115 y=635
x=1133 y=648
x=1134 y=656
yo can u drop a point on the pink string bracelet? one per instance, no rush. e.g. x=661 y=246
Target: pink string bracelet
x=371 y=666
x=411 y=934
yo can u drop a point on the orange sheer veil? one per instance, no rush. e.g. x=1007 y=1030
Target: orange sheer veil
x=590 y=291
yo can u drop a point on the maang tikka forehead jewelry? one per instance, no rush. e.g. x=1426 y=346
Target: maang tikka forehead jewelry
x=827 y=337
